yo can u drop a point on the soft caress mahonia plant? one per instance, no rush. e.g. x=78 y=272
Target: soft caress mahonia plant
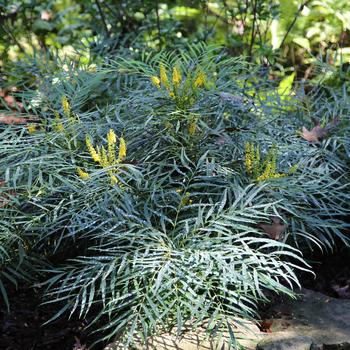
x=179 y=234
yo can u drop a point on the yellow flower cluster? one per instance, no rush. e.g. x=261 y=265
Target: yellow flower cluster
x=94 y=155
x=265 y=170
x=176 y=76
x=31 y=128
x=156 y=81
x=122 y=150
x=200 y=80
x=83 y=174
x=105 y=157
x=185 y=199
x=178 y=88
x=164 y=76
x=58 y=125
x=66 y=106
x=252 y=158
x=192 y=124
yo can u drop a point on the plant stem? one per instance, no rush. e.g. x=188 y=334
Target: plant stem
x=158 y=24
x=252 y=39
x=102 y=17
x=301 y=7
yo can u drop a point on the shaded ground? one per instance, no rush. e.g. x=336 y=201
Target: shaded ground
x=332 y=275
x=22 y=328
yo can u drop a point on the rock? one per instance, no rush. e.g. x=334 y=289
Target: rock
x=285 y=341
x=313 y=322
x=247 y=335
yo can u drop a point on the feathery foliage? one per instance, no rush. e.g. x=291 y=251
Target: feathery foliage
x=143 y=202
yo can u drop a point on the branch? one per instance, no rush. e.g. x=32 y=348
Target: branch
x=301 y=7
x=158 y=24
x=102 y=17
x=253 y=30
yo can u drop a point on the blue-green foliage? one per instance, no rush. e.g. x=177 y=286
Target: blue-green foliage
x=178 y=237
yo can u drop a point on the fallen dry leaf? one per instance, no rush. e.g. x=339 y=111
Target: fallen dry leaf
x=13 y=103
x=12 y=118
x=9 y=99
x=265 y=326
x=318 y=133
x=275 y=229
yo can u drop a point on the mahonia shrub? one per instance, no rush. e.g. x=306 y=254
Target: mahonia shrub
x=185 y=198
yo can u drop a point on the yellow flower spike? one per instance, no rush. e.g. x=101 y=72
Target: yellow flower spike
x=249 y=151
x=83 y=174
x=262 y=171
x=163 y=76
x=192 y=128
x=94 y=155
x=156 y=81
x=122 y=149
x=269 y=171
x=66 y=106
x=111 y=140
x=200 y=79
x=273 y=160
x=111 y=137
x=59 y=127
x=176 y=76
x=171 y=94
x=114 y=180
x=31 y=128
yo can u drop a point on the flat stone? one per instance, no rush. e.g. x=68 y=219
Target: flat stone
x=248 y=335
x=314 y=322
x=285 y=341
